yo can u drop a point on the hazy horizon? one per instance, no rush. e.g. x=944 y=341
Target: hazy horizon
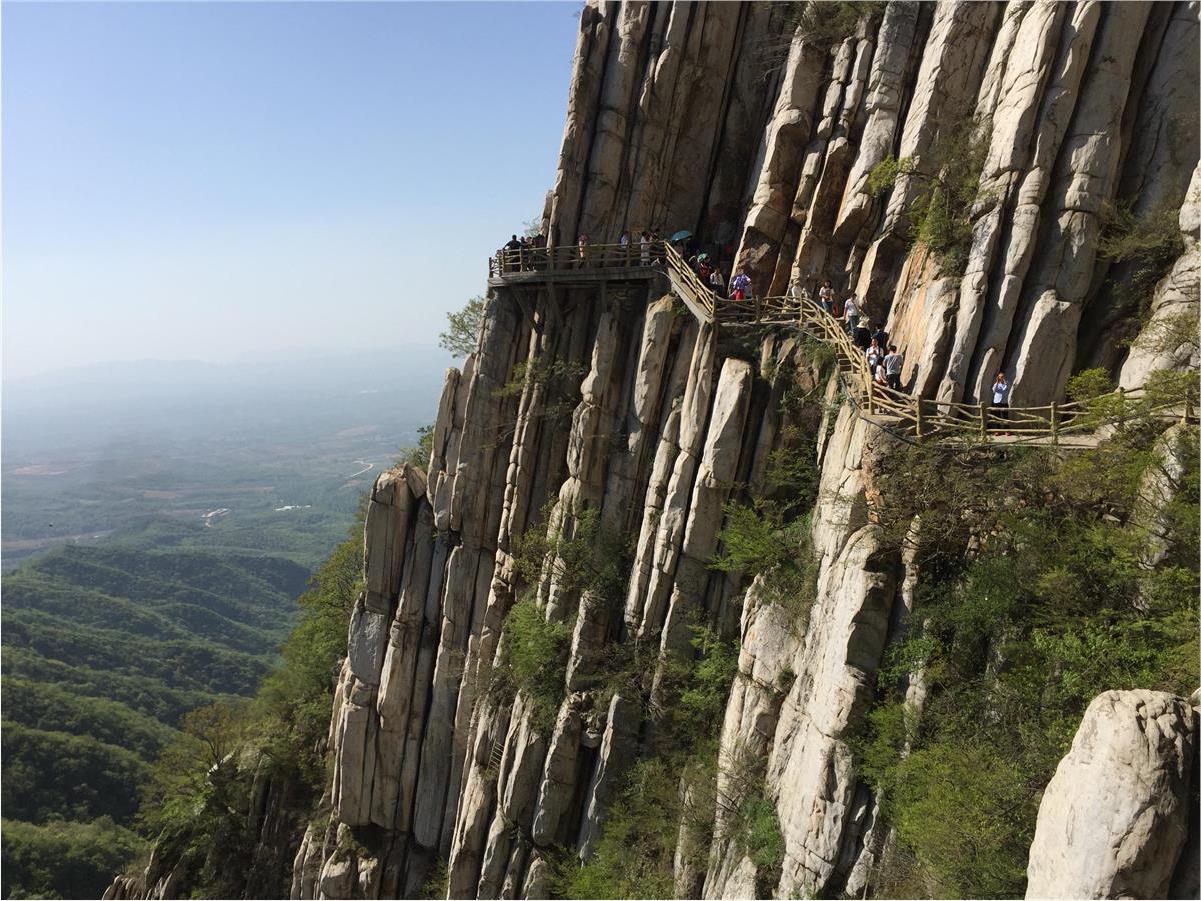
x=214 y=181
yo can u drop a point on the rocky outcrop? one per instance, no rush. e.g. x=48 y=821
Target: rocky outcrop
x=1114 y=818
x=610 y=398
x=1169 y=339
x=608 y=403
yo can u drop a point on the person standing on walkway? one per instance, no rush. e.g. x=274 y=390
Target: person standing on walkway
x=741 y=285
x=583 y=247
x=1000 y=397
x=862 y=335
x=893 y=364
x=644 y=248
x=875 y=355
x=850 y=314
x=881 y=336
x=716 y=282
x=826 y=295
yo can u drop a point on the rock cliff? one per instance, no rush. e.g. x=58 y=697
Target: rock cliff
x=610 y=406
x=707 y=117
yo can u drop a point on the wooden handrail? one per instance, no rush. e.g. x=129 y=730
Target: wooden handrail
x=905 y=415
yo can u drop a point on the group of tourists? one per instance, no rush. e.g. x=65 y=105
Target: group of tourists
x=884 y=361
x=524 y=254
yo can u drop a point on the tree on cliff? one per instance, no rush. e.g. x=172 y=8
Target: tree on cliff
x=463 y=328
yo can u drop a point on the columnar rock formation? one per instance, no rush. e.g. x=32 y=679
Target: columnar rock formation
x=714 y=118
x=609 y=402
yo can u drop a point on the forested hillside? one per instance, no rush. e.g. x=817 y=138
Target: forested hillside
x=105 y=650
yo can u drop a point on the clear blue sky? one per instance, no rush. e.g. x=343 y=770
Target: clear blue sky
x=207 y=180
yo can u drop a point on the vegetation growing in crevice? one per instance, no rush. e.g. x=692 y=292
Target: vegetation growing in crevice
x=768 y=535
x=1033 y=597
x=946 y=188
x=1143 y=248
x=823 y=25
x=533 y=661
x=1149 y=243
x=635 y=856
x=418 y=454
x=534 y=650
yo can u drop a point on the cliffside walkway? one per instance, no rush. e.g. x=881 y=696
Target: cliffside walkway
x=1070 y=424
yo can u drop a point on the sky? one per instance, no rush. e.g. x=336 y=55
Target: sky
x=211 y=181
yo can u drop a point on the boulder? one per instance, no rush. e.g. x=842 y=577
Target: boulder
x=1114 y=817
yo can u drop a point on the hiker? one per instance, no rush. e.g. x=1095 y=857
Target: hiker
x=1000 y=398
x=880 y=378
x=716 y=282
x=850 y=314
x=512 y=254
x=538 y=242
x=875 y=355
x=826 y=295
x=880 y=336
x=644 y=248
x=583 y=248
x=741 y=285
x=862 y=335
x=893 y=364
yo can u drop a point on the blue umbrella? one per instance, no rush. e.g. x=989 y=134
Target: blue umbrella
x=681 y=235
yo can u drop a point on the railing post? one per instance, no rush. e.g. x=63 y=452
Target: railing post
x=1054 y=422
x=871 y=398
x=917 y=431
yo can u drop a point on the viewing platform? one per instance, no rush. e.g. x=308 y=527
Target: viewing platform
x=1074 y=424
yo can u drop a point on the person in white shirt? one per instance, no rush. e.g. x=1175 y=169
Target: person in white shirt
x=850 y=313
x=826 y=295
x=1000 y=397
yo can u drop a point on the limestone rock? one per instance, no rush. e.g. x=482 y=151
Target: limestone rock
x=1113 y=819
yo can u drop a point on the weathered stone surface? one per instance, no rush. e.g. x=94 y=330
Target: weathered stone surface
x=1042 y=348
x=677 y=119
x=1113 y=819
x=1169 y=339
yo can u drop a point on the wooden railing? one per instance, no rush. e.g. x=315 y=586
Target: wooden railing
x=572 y=258
x=1075 y=423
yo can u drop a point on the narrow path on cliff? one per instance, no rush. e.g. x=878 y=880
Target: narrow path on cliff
x=1073 y=424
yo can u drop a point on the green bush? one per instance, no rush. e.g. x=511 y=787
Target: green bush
x=1052 y=606
x=533 y=661
x=947 y=184
x=634 y=857
x=418 y=455
x=966 y=812
x=1148 y=244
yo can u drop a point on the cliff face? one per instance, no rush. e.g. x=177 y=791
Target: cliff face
x=611 y=400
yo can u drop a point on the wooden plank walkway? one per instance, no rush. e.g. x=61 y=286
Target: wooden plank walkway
x=1078 y=424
